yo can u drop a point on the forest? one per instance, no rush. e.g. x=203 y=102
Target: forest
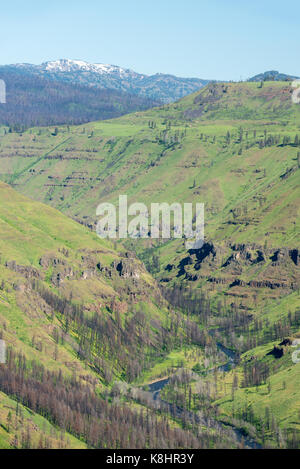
x=37 y=101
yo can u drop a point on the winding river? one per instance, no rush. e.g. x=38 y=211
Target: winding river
x=156 y=387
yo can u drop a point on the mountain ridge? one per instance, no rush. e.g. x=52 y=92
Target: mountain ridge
x=273 y=75
x=162 y=87
x=37 y=100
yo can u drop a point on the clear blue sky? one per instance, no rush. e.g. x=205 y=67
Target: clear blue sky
x=215 y=39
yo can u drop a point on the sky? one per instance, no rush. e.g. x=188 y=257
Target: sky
x=214 y=39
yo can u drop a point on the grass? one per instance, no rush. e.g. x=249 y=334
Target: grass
x=281 y=395
x=186 y=357
x=41 y=431
x=251 y=200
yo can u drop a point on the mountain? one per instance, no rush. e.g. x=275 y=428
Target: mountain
x=36 y=100
x=159 y=87
x=272 y=75
x=222 y=320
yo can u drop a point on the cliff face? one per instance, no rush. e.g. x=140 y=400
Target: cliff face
x=240 y=271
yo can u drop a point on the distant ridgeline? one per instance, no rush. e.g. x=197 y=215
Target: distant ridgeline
x=273 y=75
x=75 y=92
x=33 y=100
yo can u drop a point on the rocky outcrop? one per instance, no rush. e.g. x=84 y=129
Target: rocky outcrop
x=280 y=256
x=278 y=351
x=245 y=254
x=210 y=256
x=268 y=284
x=51 y=260
x=210 y=253
x=87 y=274
x=218 y=280
x=24 y=270
x=58 y=277
x=127 y=268
x=240 y=270
x=295 y=256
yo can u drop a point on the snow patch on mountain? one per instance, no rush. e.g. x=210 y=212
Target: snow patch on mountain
x=158 y=87
x=67 y=65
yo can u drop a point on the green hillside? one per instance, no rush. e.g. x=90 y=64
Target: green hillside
x=232 y=146
x=138 y=311
x=49 y=263
x=75 y=312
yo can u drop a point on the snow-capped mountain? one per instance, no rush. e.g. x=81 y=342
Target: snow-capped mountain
x=165 y=88
x=65 y=92
x=66 y=65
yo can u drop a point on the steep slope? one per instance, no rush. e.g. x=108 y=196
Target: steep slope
x=76 y=316
x=22 y=428
x=234 y=147
x=244 y=169
x=159 y=87
x=52 y=263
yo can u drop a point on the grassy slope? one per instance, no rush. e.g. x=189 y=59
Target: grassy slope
x=31 y=231
x=76 y=170
x=24 y=421
x=101 y=160
x=280 y=395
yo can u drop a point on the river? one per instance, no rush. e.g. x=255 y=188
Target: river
x=156 y=387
